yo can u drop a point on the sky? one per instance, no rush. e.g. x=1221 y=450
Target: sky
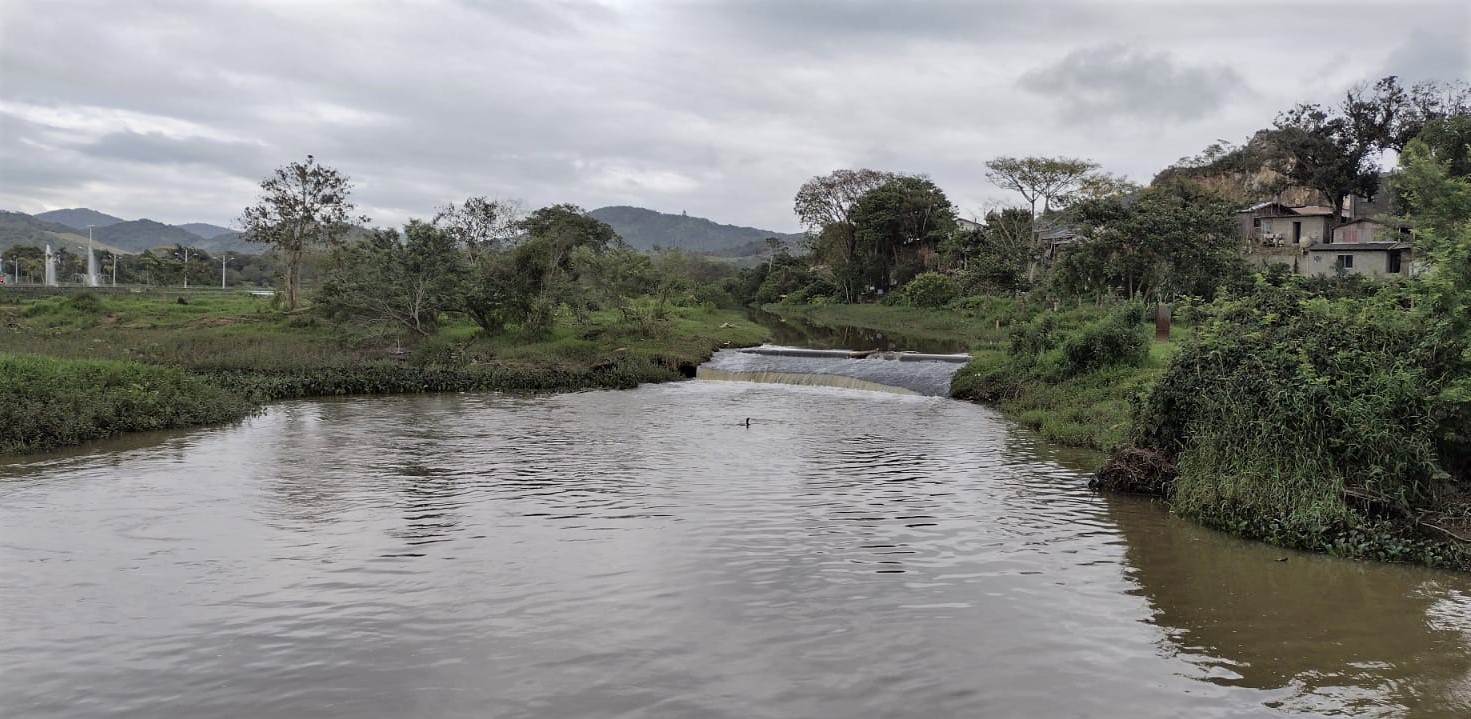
x=175 y=111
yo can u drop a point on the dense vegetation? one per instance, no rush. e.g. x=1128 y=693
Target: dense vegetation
x=47 y=402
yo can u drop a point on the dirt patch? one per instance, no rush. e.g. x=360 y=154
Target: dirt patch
x=1137 y=471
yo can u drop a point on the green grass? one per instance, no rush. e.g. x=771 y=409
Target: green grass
x=240 y=347
x=1093 y=410
x=976 y=329
x=46 y=402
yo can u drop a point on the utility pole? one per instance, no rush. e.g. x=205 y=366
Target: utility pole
x=186 y=268
x=114 y=268
x=223 y=256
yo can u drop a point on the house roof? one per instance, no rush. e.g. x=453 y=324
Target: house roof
x=1058 y=234
x=1358 y=246
x=1278 y=209
x=1355 y=222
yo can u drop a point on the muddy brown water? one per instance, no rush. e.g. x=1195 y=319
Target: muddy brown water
x=644 y=554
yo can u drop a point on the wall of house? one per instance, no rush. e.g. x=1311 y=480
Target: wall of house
x=1315 y=228
x=1370 y=263
x=1262 y=258
x=1357 y=232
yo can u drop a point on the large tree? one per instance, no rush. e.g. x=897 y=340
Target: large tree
x=1335 y=150
x=480 y=224
x=824 y=206
x=897 y=217
x=387 y=279
x=302 y=206
x=1049 y=179
x=1160 y=245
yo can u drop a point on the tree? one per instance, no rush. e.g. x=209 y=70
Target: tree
x=303 y=205
x=994 y=257
x=544 y=261
x=895 y=219
x=479 y=224
x=829 y=199
x=1039 y=178
x=405 y=281
x=1161 y=245
x=1333 y=151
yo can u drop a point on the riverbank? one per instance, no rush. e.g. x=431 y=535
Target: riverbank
x=1089 y=409
x=1280 y=472
x=84 y=366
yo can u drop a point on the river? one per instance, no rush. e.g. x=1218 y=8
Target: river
x=646 y=554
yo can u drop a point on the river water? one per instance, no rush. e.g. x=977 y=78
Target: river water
x=645 y=554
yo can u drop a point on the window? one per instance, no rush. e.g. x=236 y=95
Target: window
x=1345 y=261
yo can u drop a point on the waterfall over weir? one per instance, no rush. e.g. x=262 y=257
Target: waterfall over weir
x=899 y=372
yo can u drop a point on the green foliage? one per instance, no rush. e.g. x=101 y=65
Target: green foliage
x=894 y=221
x=1166 y=243
x=1070 y=375
x=1119 y=339
x=404 y=282
x=929 y=289
x=47 y=402
x=1302 y=419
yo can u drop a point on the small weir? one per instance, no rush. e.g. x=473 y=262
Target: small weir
x=915 y=373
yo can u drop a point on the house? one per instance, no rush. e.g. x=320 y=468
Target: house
x=1372 y=259
x=1273 y=224
x=1055 y=241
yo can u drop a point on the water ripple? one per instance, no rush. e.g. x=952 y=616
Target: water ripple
x=645 y=554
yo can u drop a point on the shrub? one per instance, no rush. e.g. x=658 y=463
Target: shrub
x=1119 y=339
x=47 y=402
x=930 y=289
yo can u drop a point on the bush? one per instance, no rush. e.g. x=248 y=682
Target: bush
x=929 y=289
x=1119 y=339
x=1301 y=419
x=47 y=402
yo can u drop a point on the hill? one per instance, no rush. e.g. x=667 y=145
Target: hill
x=204 y=230
x=645 y=228
x=139 y=235
x=18 y=228
x=78 y=218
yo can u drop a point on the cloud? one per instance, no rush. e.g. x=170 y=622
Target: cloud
x=1118 y=81
x=1441 y=55
x=175 y=109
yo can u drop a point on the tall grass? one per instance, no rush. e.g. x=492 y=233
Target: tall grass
x=47 y=402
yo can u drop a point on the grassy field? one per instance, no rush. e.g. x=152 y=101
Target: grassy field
x=240 y=344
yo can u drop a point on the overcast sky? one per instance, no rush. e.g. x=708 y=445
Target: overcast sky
x=176 y=110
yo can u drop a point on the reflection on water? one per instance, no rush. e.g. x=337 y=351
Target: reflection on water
x=644 y=554
x=1341 y=634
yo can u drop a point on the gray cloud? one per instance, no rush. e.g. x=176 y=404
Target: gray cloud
x=175 y=109
x=1441 y=55
x=1117 y=80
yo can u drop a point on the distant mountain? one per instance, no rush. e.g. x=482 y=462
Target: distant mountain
x=18 y=228
x=140 y=235
x=204 y=230
x=645 y=228
x=112 y=234
x=78 y=218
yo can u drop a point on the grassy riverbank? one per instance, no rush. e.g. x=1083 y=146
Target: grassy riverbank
x=1083 y=407
x=116 y=363
x=984 y=322
x=1327 y=424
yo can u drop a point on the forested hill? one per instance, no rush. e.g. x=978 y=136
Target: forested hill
x=78 y=218
x=645 y=228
